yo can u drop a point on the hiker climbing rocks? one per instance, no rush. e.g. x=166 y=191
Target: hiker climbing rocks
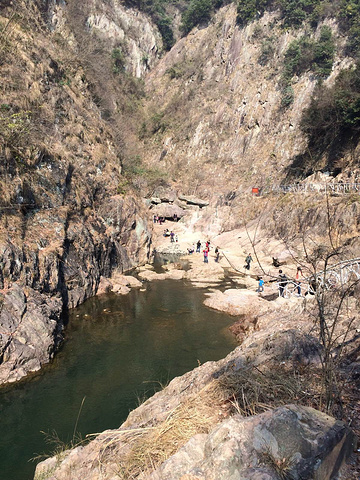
x=198 y=246
x=248 y=260
x=282 y=282
x=260 y=285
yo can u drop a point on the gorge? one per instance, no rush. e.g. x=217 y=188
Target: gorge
x=113 y=112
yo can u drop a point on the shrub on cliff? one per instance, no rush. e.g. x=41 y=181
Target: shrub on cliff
x=199 y=11
x=295 y=12
x=306 y=54
x=157 y=10
x=331 y=123
x=338 y=107
x=324 y=51
x=249 y=10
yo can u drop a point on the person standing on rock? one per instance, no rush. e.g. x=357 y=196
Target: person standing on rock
x=198 y=246
x=260 y=288
x=217 y=254
x=206 y=255
x=248 y=260
x=172 y=234
x=282 y=282
x=298 y=277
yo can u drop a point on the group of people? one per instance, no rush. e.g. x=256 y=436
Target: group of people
x=197 y=247
x=282 y=279
x=205 y=251
x=159 y=220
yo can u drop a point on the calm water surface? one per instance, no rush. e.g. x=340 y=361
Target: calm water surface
x=118 y=350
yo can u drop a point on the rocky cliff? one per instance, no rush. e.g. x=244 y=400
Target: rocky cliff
x=222 y=125
x=63 y=223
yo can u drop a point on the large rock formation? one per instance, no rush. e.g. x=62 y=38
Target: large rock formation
x=64 y=219
x=190 y=430
x=289 y=442
x=224 y=129
x=30 y=325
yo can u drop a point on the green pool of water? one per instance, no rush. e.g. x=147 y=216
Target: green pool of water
x=118 y=351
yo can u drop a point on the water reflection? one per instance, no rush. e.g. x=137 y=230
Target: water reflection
x=117 y=349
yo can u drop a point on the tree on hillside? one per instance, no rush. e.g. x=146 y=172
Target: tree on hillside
x=331 y=299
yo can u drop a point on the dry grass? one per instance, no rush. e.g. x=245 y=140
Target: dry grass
x=142 y=450
x=139 y=451
x=252 y=391
x=282 y=466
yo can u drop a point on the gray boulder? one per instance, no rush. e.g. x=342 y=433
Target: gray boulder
x=192 y=200
x=30 y=330
x=290 y=442
x=168 y=210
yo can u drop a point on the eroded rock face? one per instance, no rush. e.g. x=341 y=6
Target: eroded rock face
x=56 y=264
x=297 y=441
x=224 y=97
x=128 y=30
x=30 y=325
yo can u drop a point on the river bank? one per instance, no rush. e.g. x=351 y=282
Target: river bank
x=118 y=351
x=279 y=346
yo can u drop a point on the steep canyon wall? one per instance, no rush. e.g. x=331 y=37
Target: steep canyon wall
x=63 y=223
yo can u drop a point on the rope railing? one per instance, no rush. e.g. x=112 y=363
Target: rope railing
x=334 y=276
x=32 y=206
x=339 y=188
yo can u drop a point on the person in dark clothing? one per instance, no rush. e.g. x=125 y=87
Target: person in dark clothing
x=217 y=254
x=248 y=260
x=198 y=246
x=282 y=280
x=276 y=262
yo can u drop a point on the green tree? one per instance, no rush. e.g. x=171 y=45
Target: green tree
x=324 y=51
x=248 y=10
x=199 y=11
x=295 y=12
